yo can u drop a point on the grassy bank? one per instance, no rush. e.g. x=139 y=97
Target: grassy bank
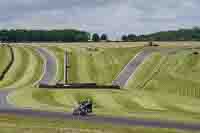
x=171 y=85
x=105 y=63
x=26 y=69
x=5 y=57
x=100 y=65
x=165 y=86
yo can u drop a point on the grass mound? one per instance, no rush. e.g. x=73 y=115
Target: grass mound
x=179 y=73
x=164 y=86
x=175 y=84
x=5 y=57
x=101 y=66
x=26 y=69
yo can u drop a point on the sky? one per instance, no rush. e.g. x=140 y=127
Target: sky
x=114 y=17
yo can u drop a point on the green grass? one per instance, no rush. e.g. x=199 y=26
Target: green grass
x=174 y=86
x=145 y=71
x=163 y=87
x=33 y=72
x=21 y=124
x=16 y=71
x=110 y=62
x=5 y=57
x=94 y=64
x=179 y=73
x=26 y=70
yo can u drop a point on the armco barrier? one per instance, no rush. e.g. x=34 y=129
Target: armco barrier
x=10 y=63
x=79 y=86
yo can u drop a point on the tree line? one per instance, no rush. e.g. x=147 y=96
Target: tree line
x=20 y=35
x=192 y=34
x=44 y=35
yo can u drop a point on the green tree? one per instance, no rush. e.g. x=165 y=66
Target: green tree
x=104 y=37
x=95 y=37
x=22 y=35
x=124 y=38
x=131 y=37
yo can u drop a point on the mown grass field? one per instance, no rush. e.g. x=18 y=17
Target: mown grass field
x=165 y=86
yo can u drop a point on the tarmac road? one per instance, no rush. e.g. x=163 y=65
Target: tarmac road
x=104 y=119
x=49 y=76
x=3 y=100
x=131 y=67
x=50 y=66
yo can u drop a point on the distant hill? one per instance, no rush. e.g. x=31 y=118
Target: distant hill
x=175 y=35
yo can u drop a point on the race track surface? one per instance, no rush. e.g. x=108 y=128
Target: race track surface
x=50 y=66
x=3 y=100
x=103 y=119
x=130 y=68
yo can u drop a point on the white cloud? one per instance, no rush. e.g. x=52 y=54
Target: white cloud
x=111 y=16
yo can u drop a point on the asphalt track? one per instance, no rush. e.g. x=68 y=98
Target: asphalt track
x=103 y=119
x=50 y=66
x=130 y=68
x=97 y=119
x=3 y=100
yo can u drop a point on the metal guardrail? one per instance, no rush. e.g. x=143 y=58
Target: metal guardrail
x=79 y=86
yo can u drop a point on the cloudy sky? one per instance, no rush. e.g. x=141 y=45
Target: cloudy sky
x=114 y=17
